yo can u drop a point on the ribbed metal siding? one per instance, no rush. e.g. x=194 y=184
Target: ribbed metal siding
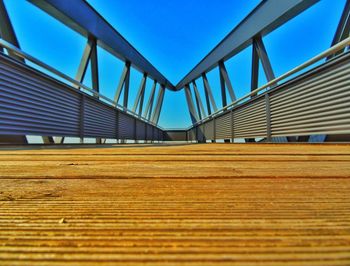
x=140 y=130
x=126 y=126
x=99 y=120
x=149 y=132
x=319 y=104
x=223 y=126
x=155 y=133
x=176 y=135
x=201 y=132
x=209 y=130
x=250 y=120
x=189 y=135
x=31 y=104
x=160 y=135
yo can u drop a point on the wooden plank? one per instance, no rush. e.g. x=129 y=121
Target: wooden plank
x=202 y=204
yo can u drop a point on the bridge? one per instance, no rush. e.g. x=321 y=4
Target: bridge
x=142 y=194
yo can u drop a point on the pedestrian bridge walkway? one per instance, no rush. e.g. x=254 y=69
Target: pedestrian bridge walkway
x=196 y=204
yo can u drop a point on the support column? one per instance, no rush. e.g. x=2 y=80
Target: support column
x=149 y=106
x=94 y=67
x=140 y=95
x=208 y=94
x=343 y=28
x=193 y=114
x=84 y=61
x=265 y=61
x=124 y=81
x=255 y=69
x=259 y=53
x=7 y=32
x=225 y=83
x=200 y=107
x=159 y=103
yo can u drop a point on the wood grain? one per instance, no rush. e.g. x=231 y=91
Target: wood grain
x=199 y=204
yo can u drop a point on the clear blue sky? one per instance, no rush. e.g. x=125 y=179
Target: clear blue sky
x=174 y=36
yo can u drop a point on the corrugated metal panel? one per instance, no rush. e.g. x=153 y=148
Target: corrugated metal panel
x=99 y=120
x=176 y=135
x=126 y=126
x=140 y=130
x=192 y=134
x=160 y=134
x=223 y=126
x=149 y=132
x=320 y=104
x=250 y=120
x=209 y=130
x=201 y=132
x=160 y=137
x=31 y=104
x=155 y=133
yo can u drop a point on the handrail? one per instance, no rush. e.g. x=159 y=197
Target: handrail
x=36 y=61
x=335 y=48
x=328 y=52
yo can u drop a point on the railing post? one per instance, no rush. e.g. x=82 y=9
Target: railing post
x=117 y=125
x=152 y=138
x=81 y=118
x=135 y=133
x=268 y=117
x=214 y=120
x=146 y=136
x=204 y=137
x=232 y=127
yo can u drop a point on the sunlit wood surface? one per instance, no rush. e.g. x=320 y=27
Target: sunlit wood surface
x=204 y=204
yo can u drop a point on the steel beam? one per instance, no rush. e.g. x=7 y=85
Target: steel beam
x=343 y=28
x=142 y=100
x=140 y=95
x=225 y=83
x=208 y=94
x=126 y=89
x=190 y=104
x=207 y=101
x=82 y=17
x=122 y=80
x=223 y=90
x=259 y=52
x=199 y=103
x=84 y=62
x=255 y=69
x=148 y=110
x=7 y=32
x=267 y=16
x=159 y=103
x=94 y=67
x=265 y=61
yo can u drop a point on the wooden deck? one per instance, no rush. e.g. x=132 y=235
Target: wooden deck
x=205 y=204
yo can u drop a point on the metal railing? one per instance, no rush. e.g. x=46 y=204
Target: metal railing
x=96 y=94
x=332 y=50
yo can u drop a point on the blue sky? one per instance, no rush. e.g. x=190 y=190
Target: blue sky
x=174 y=36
